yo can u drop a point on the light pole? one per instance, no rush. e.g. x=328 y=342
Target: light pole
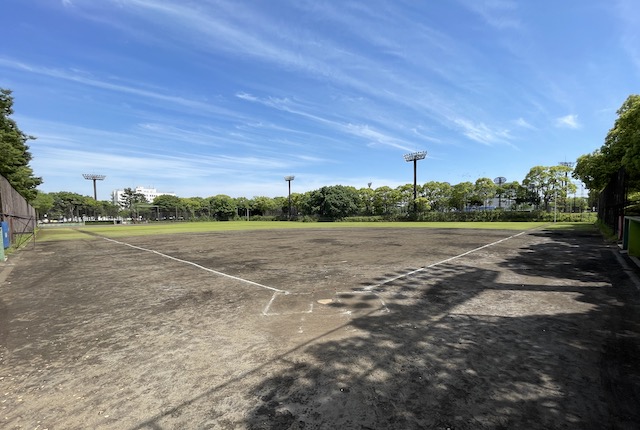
x=415 y=156
x=289 y=179
x=499 y=181
x=94 y=178
x=568 y=164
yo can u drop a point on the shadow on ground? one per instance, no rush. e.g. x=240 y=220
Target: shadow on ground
x=436 y=361
x=463 y=347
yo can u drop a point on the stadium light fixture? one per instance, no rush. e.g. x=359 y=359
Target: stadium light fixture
x=289 y=179
x=415 y=156
x=499 y=181
x=94 y=178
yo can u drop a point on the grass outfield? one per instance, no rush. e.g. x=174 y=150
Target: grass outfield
x=74 y=233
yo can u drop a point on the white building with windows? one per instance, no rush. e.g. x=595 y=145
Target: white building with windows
x=148 y=193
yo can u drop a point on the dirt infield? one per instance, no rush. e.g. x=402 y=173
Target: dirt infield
x=321 y=329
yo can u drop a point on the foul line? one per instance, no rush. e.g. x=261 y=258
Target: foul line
x=413 y=272
x=198 y=266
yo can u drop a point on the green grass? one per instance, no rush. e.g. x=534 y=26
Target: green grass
x=113 y=231
x=576 y=226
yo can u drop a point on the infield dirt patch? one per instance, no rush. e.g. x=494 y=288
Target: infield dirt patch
x=321 y=329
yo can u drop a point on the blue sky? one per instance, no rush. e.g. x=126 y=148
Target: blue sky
x=206 y=97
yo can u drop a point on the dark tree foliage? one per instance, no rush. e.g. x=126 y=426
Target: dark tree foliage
x=621 y=148
x=223 y=207
x=130 y=198
x=14 y=152
x=333 y=202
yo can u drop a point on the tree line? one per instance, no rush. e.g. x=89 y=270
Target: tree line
x=621 y=150
x=543 y=189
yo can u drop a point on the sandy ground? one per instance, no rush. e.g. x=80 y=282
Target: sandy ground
x=321 y=329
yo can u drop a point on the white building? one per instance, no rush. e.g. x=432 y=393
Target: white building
x=148 y=193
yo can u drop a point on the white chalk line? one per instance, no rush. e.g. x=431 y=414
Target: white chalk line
x=369 y=288
x=446 y=260
x=266 y=311
x=191 y=263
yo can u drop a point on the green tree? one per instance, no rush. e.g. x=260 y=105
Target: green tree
x=297 y=200
x=365 y=198
x=484 y=190
x=167 y=203
x=386 y=200
x=438 y=194
x=42 y=203
x=461 y=195
x=594 y=170
x=108 y=209
x=404 y=195
x=14 y=163
x=130 y=198
x=333 y=202
x=67 y=205
x=509 y=193
x=223 y=207
x=263 y=205
x=193 y=205
x=621 y=148
x=244 y=205
x=548 y=183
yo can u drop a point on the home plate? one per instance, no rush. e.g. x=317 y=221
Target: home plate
x=354 y=301
x=285 y=304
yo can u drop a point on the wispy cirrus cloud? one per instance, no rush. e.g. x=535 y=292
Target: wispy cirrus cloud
x=568 y=121
x=370 y=134
x=497 y=13
x=223 y=29
x=79 y=77
x=482 y=133
x=521 y=122
x=376 y=137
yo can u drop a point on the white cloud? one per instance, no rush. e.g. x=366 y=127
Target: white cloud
x=76 y=76
x=568 y=121
x=482 y=133
x=497 y=13
x=521 y=122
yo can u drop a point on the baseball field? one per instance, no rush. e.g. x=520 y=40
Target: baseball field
x=321 y=326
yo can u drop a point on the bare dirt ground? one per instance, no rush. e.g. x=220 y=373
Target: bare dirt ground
x=350 y=329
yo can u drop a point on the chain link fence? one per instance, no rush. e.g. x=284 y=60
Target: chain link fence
x=612 y=201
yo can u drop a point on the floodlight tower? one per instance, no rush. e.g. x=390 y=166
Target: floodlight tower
x=289 y=179
x=568 y=164
x=94 y=178
x=499 y=181
x=415 y=156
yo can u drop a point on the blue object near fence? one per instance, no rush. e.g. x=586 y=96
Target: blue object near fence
x=5 y=234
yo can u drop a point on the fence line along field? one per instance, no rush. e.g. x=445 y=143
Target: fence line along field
x=320 y=327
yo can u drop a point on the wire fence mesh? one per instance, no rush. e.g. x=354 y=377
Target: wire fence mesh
x=612 y=202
